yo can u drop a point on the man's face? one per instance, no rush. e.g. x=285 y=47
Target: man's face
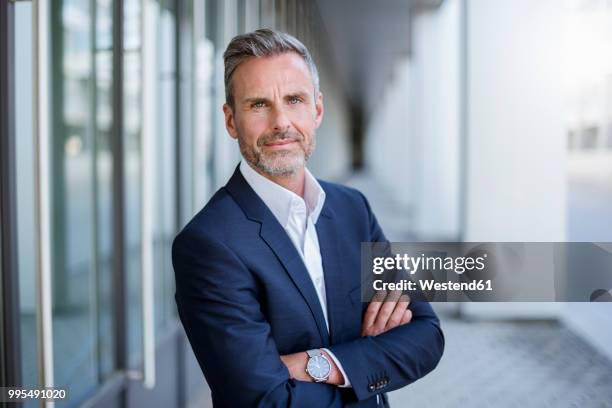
x=275 y=114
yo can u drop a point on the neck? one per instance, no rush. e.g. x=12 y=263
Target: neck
x=293 y=182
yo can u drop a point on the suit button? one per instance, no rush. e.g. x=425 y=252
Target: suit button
x=371 y=387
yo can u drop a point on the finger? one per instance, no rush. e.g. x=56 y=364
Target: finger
x=398 y=313
x=407 y=316
x=384 y=313
x=370 y=316
x=379 y=296
x=393 y=296
x=372 y=310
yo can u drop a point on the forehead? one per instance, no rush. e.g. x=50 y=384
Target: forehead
x=288 y=70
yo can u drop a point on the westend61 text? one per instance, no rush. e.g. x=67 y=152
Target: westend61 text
x=430 y=284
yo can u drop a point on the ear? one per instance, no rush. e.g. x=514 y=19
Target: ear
x=230 y=124
x=319 y=110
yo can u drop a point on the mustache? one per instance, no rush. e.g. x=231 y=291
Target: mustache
x=278 y=136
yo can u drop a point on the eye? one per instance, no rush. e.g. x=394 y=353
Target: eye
x=258 y=104
x=294 y=99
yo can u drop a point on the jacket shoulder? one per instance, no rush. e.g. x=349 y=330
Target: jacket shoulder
x=343 y=195
x=213 y=219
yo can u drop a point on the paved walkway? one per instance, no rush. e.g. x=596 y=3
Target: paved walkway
x=512 y=364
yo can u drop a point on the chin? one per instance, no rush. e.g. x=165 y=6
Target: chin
x=282 y=166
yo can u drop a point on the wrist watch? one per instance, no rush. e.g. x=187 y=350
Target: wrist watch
x=318 y=366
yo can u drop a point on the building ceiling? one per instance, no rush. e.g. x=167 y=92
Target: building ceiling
x=365 y=38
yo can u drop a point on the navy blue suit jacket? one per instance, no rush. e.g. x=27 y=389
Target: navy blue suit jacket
x=245 y=297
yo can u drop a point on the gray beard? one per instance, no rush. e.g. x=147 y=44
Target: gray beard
x=279 y=164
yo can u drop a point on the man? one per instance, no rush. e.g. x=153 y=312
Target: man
x=268 y=273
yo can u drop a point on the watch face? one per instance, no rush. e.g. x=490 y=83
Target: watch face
x=318 y=367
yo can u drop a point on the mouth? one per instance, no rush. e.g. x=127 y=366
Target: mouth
x=279 y=144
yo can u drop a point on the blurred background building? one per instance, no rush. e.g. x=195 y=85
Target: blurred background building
x=474 y=120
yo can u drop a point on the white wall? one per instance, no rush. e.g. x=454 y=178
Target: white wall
x=390 y=147
x=413 y=137
x=436 y=68
x=516 y=152
x=516 y=141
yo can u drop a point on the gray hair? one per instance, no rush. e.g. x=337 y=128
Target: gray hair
x=262 y=43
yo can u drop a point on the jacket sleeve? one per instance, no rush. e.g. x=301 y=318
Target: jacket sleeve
x=218 y=306
x=398 y=357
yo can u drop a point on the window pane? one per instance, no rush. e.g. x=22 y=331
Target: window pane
x=82 y=250
x=26 y=232
x=165 y=168
x=103 y=187
x=73 y=216
x=132 y=102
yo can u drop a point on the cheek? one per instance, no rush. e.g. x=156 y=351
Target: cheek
x=252 y=127
x=303 y=122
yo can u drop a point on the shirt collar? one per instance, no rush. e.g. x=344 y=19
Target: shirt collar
x=282 y=201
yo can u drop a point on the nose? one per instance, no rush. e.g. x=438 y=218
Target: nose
x=280 y=120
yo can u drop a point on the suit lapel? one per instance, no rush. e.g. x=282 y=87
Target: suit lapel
x=328 y=242
x=277 y=239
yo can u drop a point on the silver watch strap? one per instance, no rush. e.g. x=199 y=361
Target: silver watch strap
x=314 y=352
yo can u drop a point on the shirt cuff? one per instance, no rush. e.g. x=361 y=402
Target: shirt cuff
x=347 y=382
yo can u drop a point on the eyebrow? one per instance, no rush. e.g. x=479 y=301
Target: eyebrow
x=298 y=94
x=254 y=99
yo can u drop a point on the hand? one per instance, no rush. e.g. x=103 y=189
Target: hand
x=385 y=312
x=296 y=364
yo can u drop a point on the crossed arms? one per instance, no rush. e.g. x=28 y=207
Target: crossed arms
x=233 y=343
x=385 y=312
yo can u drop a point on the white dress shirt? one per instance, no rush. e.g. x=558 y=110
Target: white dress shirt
x=298 y=217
